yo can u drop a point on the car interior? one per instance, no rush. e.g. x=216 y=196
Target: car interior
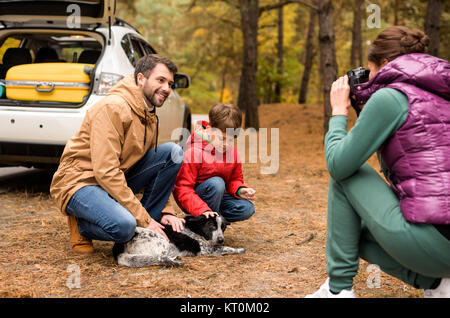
x=26 y=48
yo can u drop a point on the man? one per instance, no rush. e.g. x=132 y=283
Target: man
x=113 y=156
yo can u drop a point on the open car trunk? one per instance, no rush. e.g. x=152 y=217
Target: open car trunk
x=48 y=67
x=72 y=14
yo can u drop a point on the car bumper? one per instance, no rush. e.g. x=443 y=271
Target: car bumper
x=38 y=126
x=41 y=125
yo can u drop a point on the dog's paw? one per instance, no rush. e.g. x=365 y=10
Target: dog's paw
x=171 y=262
x=240 y=250
x=225 y=250
x=174 y=264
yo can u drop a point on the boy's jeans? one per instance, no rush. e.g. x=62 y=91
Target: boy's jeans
x=212 y=191
x=100 y=217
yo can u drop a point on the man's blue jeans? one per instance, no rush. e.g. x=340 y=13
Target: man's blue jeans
x=212 y=191
x=100 y=217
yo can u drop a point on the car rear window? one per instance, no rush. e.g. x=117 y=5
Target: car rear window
x=48 y=47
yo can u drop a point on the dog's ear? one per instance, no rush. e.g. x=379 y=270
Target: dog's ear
x=193 y=219
x=224 y=221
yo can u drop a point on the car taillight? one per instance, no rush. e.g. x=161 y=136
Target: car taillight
x=107 y=80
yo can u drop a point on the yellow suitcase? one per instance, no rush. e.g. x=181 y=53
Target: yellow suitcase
x=56 y=82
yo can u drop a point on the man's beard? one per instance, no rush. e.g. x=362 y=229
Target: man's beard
x=152 y=97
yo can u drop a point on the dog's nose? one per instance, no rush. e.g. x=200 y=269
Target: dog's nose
x=220 y=240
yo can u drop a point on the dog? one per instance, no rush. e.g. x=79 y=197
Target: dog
x=200 y=236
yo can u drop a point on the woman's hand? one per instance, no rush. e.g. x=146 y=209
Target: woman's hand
x=340 y=96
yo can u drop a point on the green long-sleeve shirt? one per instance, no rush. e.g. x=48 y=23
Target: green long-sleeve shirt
x=381 y=117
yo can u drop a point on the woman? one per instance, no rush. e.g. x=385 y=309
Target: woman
x=403 y=227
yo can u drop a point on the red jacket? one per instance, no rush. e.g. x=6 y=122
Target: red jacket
x=200 y=163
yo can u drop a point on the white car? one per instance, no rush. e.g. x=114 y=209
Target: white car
x=34 y=133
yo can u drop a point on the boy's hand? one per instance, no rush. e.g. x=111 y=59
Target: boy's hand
x=247 y=193
x=210 y=214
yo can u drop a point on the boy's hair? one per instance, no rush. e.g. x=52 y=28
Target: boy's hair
x=223 y=116
x=147 y=63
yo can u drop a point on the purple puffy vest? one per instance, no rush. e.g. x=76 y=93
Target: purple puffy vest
x=418 y=154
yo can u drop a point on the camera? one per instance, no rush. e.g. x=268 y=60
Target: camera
x=357 y=76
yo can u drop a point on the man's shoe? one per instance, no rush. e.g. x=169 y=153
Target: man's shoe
x=324 y=292
x=442 y=291
x=78 y=243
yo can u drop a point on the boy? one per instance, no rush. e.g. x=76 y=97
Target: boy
x=210 y=179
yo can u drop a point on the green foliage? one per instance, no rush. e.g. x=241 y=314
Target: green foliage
x=267 y=60
x=204 y=38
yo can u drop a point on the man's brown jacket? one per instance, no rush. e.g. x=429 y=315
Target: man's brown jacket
x=112 y=138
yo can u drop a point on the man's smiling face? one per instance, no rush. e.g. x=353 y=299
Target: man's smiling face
x=158 y=86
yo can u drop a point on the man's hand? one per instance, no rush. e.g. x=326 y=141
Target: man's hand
x=247 y=193
x=158 y=228
x=340 y=96
x=176 y=222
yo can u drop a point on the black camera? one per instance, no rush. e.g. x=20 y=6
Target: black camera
x=356 y=76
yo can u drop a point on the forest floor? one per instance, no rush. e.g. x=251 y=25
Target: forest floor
x=284 y=240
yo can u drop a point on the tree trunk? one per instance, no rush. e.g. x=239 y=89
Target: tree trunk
x=224 y=74
x=327 y=54
x=396 y=13
x=278 y=85
x=432 y=25
x=356 y=53
x=309 y=48
x=248 y=99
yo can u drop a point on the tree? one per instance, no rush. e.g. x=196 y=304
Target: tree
x=309 y=49
x=250 y=13
x=247 y=98
x=432 y=25
x=206 y=41
x=278 y=85
x=328 y=62
x=356 y=52
x=396 y=12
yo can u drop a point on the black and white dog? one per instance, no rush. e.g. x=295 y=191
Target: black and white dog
x=200 y=236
